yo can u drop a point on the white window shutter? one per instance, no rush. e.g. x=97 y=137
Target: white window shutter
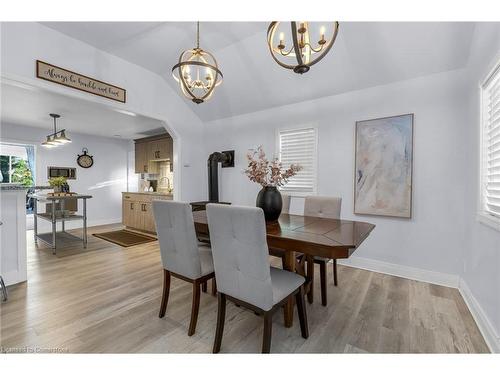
x=299 y=146
x=491 y=144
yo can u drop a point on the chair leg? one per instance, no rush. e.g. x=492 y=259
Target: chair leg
x=4 y=290
x=194 y=308
x=204 y=287
x=310 y=279
x=301 y=309
x=214 y=287
x=221 y=316
x=268 y=330
x=166 y=291
x=322 y=278
x=335 y=272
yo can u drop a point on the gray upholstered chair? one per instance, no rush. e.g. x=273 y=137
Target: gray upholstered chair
x=286 y=203
x=327 y=207
x=182 y=255
x=244 y=276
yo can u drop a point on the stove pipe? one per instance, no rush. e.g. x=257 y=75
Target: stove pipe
x=226 y=158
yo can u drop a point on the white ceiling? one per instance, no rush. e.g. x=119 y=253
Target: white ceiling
x=366 y=54
x=25 y=105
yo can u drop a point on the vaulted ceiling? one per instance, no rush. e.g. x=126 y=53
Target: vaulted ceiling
x=366 y=54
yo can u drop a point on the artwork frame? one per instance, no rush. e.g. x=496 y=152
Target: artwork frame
x=384 y=144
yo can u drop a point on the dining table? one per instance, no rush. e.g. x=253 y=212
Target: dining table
x=294 y=235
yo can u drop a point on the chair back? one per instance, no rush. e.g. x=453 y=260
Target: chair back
x=177 y=238
x=240 y=253
x=286 y=203
x=321 y=206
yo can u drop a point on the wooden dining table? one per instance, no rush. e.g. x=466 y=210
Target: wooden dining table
x=311 y=236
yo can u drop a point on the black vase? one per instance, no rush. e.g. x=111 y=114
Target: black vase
x=269 y=199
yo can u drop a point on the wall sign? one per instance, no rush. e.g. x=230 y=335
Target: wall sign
x=77 y=81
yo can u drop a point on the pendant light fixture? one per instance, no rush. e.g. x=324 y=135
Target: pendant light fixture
x=197 y=72
x=307 y=43
x=58 y=137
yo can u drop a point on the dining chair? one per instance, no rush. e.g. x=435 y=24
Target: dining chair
x=285 y=209
x=182 y=256
x=326 y=207
x=244 y=275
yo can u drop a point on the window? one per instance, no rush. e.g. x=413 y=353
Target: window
x=14 y=166
x=299 y=146
x=490 y=146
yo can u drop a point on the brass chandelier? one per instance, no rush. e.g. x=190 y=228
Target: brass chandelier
x=197 y=72
x=302 y=52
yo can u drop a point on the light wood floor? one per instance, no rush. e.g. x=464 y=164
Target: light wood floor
x=106 y=300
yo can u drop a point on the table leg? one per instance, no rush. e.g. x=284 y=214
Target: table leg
x=289 y=265
x=310 y=278
x=61 y=207
x=84 y=223
x=54 y=227
x=35 y=220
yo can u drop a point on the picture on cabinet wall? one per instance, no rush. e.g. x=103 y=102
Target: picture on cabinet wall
x=383 y=166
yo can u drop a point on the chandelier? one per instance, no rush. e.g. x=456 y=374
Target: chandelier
x=303 y=51
x=58 y=137
x=197 y=72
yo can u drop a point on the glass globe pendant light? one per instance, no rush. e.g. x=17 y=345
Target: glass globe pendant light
x=308 y=44
x=197 y=73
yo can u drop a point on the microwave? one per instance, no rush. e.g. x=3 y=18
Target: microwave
x=69 y=173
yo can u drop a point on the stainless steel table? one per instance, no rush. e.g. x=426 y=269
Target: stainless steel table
x=56 y=216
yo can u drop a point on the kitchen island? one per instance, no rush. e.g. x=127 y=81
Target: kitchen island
x=137 y=210
x=58 y=214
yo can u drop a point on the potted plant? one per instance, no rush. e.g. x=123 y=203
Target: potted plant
x=270 y=175
x=57 y=183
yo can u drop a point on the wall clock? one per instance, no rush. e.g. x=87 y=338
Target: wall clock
x=85 y=160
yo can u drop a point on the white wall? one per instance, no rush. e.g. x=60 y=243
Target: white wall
x=105 y=180
x=147 y=93
x=481 y=273
x=431 y=240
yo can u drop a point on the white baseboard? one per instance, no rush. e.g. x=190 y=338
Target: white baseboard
x=487 y=329
x=406 y=272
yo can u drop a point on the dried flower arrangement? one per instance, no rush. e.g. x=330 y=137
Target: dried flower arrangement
x=268 y=173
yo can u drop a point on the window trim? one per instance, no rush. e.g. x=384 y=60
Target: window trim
x=483 y=216
x=315 y=158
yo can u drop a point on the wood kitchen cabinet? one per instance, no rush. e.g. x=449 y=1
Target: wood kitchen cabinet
x=137 y=210
x=149 y=151
x=141 y=157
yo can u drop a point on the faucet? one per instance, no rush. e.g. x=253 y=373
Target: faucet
x=168 y=182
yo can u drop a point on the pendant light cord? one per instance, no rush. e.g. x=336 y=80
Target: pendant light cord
x=55 y=129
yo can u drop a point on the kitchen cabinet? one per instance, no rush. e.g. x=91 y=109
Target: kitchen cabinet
x=160 y=149
x=149 y=151
x=141 y=157
x=137 y=210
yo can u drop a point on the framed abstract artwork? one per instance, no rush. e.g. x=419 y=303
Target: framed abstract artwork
x=383 y=166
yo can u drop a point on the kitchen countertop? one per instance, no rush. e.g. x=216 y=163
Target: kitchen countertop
x=20 y=187
x=148 y=193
